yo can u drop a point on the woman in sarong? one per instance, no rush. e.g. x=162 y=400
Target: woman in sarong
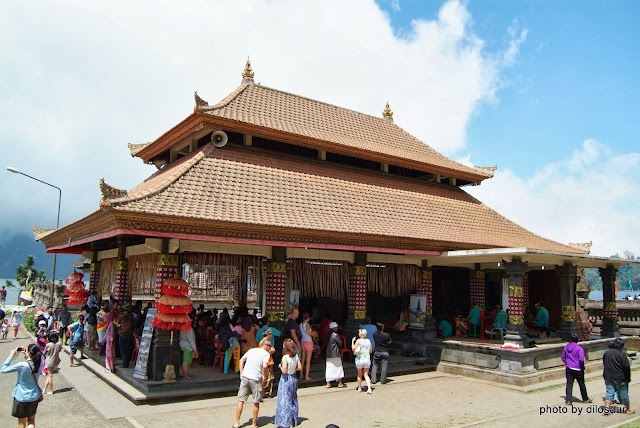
x=287 y=401
x=109 y=338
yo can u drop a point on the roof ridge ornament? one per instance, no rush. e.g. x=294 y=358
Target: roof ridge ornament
x=200 y=103
x=110 y=192
x=387 y=113
x=492 y=168
x=41 y=231
x=247 y=73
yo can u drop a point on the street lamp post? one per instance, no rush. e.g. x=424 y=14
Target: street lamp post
x=53 y=273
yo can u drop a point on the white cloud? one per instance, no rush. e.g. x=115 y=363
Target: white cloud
x=79 y=80
x=590 y=196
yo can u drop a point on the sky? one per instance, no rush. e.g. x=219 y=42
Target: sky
x=549 y=91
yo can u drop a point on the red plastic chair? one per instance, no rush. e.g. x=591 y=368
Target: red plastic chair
x=345 y=349
x=219 y=358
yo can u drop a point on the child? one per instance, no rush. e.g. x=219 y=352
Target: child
x=52 y=360
x=5 y=328
x=16 y=320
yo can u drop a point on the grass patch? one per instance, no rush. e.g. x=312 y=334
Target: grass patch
x=634 y=424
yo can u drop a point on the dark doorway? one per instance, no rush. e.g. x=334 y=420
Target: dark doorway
x=493 y=289
x=382 y=309
x=450 y=291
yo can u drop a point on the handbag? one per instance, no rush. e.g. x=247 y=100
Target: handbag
x=41 y=397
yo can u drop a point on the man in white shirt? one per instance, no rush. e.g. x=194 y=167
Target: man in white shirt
x=253 y=367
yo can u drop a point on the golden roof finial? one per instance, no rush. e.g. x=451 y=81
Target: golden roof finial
x=247 y=74
x=387 y=113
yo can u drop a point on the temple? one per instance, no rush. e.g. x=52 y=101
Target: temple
x=268 y=199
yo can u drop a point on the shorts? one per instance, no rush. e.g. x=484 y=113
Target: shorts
x=250 y=387
x=75 y=346
x=307 y=346
x=91 y=331
x=363 y=364
x=187 y=356
x=24 y=409
x=613 y=387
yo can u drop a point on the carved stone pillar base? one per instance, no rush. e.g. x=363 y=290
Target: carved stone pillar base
x=516 y=335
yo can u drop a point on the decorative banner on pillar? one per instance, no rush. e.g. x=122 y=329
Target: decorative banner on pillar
x=610 y=310
x=276 y=315
x=122 y=265
x=275 y=267
x=568 y=313
x=477 y=287
x=168 y=260
x=417 y=311
x=516 y=304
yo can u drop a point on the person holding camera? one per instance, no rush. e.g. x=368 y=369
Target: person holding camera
x=27 y=393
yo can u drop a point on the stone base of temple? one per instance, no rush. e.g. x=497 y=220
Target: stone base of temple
x=522 y=367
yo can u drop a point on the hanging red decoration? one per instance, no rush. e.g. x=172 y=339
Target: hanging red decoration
x=76 y=289
x=173 y=306
x=75 y=276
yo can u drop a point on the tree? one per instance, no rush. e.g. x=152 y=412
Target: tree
x=28 y=273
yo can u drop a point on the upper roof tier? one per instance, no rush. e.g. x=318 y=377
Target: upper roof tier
x=262 y=111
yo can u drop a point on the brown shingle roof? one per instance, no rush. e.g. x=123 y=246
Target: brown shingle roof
x=250 y=186
x=281 y=111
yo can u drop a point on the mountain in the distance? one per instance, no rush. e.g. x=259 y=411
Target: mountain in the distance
x=15 y=249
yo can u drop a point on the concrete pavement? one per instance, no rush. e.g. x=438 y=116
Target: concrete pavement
x=418 y=400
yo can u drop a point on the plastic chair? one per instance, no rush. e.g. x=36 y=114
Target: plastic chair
x=345 y=349
x=219 y=358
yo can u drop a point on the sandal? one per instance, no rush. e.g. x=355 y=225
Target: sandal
x=630 y=412
x=327 y=386
x=341 y=385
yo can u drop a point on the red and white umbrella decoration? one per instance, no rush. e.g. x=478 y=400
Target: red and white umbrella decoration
x=75 y=289
x=174 y=306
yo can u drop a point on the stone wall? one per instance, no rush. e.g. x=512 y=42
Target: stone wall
x=628 y=316
x=521 y=367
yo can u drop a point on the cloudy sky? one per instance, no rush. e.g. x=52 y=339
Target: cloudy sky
x=548 y=91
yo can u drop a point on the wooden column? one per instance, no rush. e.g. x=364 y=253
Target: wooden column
x=610 y=310
x=275 y=293
x=94 y=277
x=515 y=271
x=166 y=267
x=357 y=293
x=567 y=274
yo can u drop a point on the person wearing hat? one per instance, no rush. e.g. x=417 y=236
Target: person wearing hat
x=573 y=358
x=333 y=368
x=617 y=375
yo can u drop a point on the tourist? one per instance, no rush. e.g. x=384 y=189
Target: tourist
x=27 y=393
x=109 y=339
x=64 y=319
x=247 y=334
x=2 y=315
x=189 y=350
x=253 y=367
x=101 y=326
x=5 y=328
x=125 y=335
x=291 y=330
x=90 y=326
x=333 y=368
x=287 y=402
x=76 y=333
x=42 y=335
x=381 y=354
x=371 y=330
x=50 y=317
x=617 y=375
x=267 y=381
x=573 y=358
x=362 y=348
x=52 y=360
x=266 y=325
x=306 y=343
x=3 y=297
x=16 y=320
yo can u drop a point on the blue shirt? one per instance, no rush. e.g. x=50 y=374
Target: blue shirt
x=26 y=389
x=77 y=330
x=370 y=330
x=542 y=317
x=261 y=330
x=474 y=315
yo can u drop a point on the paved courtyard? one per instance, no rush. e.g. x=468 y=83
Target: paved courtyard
x=419 y=400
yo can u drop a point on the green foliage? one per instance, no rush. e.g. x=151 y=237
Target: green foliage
x=27 y=272
x=628 y=275
x=28 y=321
x=593 y=278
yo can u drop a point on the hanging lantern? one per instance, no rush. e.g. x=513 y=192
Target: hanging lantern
x=75 y=276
